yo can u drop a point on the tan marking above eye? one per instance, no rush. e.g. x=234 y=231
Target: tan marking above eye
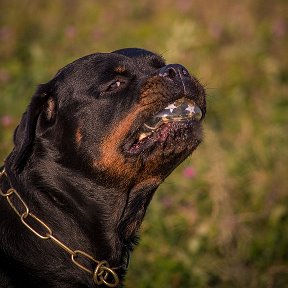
x=120 y=69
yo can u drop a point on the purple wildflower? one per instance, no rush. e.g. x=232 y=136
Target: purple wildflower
x=189 y=172
x=6 y=121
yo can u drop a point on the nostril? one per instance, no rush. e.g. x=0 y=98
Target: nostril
x=171 y=72
x=168 y=71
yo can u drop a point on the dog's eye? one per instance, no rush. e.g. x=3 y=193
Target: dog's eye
x=115 y=85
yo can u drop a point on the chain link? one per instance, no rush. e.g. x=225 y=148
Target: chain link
x=102 y=271
x=13 y=193
x=36 y=220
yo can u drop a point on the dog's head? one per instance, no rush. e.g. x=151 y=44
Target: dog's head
x=113 y=116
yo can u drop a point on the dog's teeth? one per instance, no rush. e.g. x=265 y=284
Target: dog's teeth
x=143 y=135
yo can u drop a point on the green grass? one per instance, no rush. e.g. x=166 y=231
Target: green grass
x=227 y=226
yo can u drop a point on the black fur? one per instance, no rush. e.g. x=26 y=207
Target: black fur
x=73 y=165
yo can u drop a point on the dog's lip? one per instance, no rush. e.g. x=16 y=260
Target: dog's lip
x=176 y=132
x=180 y=110
x=138 y=142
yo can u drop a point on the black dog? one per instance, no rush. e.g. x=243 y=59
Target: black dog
x=86 y=164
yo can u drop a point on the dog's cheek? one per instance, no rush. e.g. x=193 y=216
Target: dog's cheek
x=111 y=159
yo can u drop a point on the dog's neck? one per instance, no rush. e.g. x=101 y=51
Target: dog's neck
x=98 y=220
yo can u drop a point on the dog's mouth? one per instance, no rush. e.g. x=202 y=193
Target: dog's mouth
x=171 y=125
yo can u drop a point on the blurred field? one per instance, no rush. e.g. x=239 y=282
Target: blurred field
x=221 y=219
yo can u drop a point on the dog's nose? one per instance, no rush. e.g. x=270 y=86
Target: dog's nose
x=174 y=71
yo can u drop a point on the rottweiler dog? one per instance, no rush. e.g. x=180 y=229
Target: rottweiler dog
x=91 y=149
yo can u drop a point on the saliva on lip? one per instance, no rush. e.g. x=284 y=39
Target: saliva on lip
x=181 y=110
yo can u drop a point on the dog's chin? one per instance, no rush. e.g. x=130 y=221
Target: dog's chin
x=169 y=136
x=167 y=146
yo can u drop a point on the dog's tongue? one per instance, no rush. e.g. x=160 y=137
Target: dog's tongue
x=181 y=110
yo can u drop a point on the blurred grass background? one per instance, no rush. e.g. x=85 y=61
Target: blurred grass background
x=221 y=219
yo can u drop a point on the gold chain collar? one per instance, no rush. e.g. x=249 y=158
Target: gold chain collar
x=102 y=270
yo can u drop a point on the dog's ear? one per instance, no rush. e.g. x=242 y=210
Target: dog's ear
x=39 y=115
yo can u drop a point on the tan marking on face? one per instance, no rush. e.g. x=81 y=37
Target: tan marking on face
x=78 y=136
x=120 y=69
x=154 y=90
x=111 y=158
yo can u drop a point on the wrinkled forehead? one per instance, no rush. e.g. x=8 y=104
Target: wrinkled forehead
x=118 y=62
